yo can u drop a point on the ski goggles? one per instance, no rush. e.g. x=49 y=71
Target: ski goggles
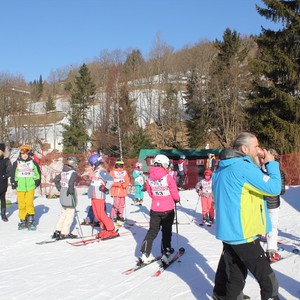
x=23 y=151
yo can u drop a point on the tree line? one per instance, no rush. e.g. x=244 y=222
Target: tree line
x=205 y=93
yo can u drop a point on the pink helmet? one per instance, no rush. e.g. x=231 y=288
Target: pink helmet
x=138 y=164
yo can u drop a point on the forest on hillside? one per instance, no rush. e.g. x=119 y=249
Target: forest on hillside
x=205 y=93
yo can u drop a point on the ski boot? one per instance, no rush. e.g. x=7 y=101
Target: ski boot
x=85 y=222
x=68 y=236
x=203 y=222
x=166 y=257
x=108 y=234
x=22 y=224
x=146 y=258
x=30 y=222
x=56 y=235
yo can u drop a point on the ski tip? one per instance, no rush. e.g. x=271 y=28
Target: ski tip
x=181 y=250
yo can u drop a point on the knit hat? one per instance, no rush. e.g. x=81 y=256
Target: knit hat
x=2 y=147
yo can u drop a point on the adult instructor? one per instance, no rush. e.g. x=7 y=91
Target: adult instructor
x=239 y=187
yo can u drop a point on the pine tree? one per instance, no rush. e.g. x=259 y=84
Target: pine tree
x=275 y=105
x=83 y=93
x=40 y=87
x=228 y=87
x=50 y=105
x=75 y=136
x=196 y=109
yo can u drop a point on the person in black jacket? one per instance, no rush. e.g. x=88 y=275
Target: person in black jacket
x=273 y=204
x=5 y=167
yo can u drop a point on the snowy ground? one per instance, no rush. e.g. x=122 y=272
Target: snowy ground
x=62 y=271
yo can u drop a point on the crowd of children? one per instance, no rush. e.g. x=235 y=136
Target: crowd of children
x=162 y=185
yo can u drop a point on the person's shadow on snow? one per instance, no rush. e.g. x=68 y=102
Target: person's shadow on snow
x=192 y=267
x=39 y=211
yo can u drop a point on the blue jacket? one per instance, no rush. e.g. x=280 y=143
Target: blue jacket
x=239 y=187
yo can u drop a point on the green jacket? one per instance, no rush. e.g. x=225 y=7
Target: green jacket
x=25 y=175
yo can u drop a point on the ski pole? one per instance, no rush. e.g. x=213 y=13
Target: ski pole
x=74 y=204
x=196 y=208
x=176 y=225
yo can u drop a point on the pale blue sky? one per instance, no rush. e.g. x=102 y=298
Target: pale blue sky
x=40 y=36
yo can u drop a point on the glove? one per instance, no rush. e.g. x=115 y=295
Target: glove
x=70 y=192
x=37 y=182
x=14 y=185
x=103 y=189
x=177 y=202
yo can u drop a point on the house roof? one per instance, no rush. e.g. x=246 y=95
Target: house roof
x=175 y=154
x=36 y=120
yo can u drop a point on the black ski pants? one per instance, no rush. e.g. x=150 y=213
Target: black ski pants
x=163 y=220
x=233 y=267
x=3 y=203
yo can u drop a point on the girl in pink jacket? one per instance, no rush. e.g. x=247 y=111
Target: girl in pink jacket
x=163 y=190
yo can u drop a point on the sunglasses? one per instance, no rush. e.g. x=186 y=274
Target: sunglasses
x=24 y=151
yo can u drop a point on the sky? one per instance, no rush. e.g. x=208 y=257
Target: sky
x=60 y=271
x=39 y=37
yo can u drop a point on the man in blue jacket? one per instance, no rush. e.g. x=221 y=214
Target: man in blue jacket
x=239 y=187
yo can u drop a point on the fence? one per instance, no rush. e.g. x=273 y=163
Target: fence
x=52 y=164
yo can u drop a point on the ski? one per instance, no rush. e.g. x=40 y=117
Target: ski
x=47 y=242
x=140 y=265
x=84 y=242
x=164 y=266
x=52 y=241
x=95 y=239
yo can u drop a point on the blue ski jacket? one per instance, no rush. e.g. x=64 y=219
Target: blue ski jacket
x=239 y=187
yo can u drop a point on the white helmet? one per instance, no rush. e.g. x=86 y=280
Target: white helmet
x=162 y=160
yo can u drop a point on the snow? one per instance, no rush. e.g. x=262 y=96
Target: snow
x=62 y=271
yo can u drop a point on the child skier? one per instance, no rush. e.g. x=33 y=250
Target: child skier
x=204 y=189
x=99 y=188
x=182 y=172
x=273 y=205
x=172 y=172
x=65 y=184
x=119 y=190
x=139 y=181
x=163 y=190
x=25 y=178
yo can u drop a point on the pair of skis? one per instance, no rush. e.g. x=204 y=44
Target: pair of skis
x=84 y=242
x=81 y=241
x=162 y=266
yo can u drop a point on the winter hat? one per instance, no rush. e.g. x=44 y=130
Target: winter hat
x=2 y=147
